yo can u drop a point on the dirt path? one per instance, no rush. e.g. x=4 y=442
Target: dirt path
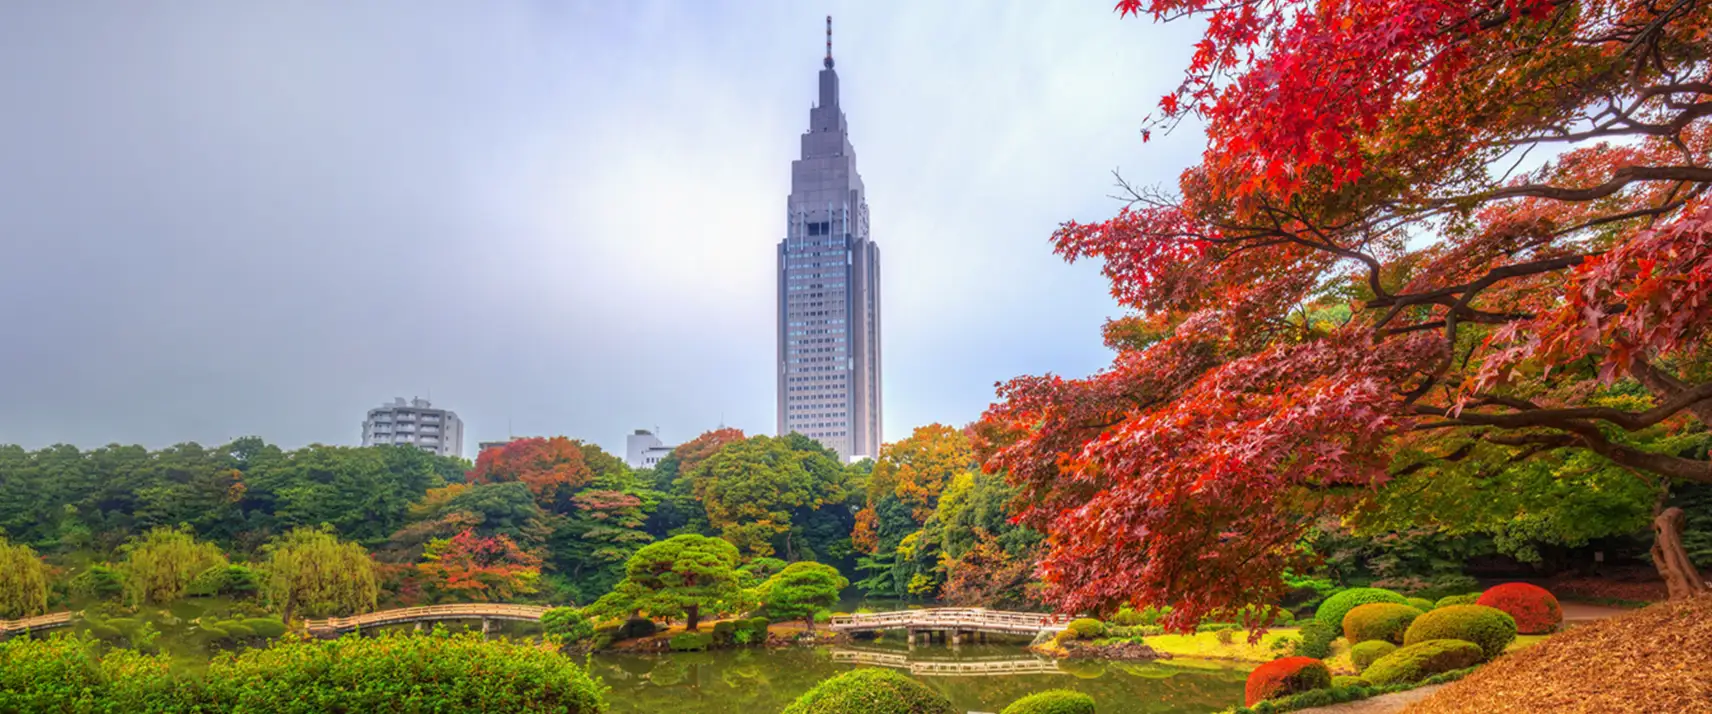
x=1382 y=704
x=1578 y=612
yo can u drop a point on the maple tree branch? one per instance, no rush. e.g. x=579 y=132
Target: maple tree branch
x=1562 y=418
x=1619 y=179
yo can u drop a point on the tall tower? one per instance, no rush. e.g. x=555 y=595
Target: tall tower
x=829 y=290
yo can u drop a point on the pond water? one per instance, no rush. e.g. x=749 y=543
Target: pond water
x=754 y=681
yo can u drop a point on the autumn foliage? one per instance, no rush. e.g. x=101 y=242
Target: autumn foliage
x=479 y=569
x=551 y=468
x=1535 y=609
x=1282 y=677
x=1357 y=271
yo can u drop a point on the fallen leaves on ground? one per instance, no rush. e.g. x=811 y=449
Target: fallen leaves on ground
x=1657 y=659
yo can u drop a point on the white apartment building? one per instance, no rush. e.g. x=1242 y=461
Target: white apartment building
x=643 y=450
x=416 y=423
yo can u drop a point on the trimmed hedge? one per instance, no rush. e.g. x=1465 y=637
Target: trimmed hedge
x=1490 y=628
x=1450 y=600
x=1086 y=628
x=636 y=627
x=1316 y=640
x=1421 y=660
x=1378 y=621
x=1365 y=654
x=690 y=642
x=1335 y=607
x=1341 y=694
x=1420 y=603
x=1346 y=681
x=871 y=691
x=1052 y=701
x=1536 y=610
x=1283 y=677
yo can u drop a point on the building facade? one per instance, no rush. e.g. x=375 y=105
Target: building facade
x=643 y=450
x=416 y=423
x=829 y=290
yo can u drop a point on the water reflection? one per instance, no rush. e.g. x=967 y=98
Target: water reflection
x=974 y=678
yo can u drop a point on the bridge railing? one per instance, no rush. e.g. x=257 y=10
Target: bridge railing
x=52 y=619
x=431 y=612
x=951 y=617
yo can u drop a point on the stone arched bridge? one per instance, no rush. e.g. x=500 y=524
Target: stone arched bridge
x=486 y=612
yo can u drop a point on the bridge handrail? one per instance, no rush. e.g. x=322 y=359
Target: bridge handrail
x=928 y=617
x=51 y=619
x=430 y=612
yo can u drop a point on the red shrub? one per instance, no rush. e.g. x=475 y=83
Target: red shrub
x=1536 y=610
x=1289 y=675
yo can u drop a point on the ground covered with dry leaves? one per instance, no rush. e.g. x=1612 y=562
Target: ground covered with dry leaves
x=1654 y=660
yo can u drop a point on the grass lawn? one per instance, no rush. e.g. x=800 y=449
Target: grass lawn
x=1206 y=645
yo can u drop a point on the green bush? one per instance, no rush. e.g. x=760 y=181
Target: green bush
x=690 y=642
x=1418 y=661
x=104 y=631
x=565 y=626
x=1450 y=600
x=1420 y=603
x=1448 y=584
x=1378 y=621
x=67 y=673
x=724 y=632
x=636 y=627
x=1335 y=607
x=1317 y=638
x=269 y=627
x=1145 y=617
x=1354 y=689
x=871 y=691
x=236 y=629
x=1052 y=701
x=1346 y=681
x=1490 y=628
x=214 y=633
x=1366 y=653
x=1086 y=628
x=99 y=582
x=823 y=617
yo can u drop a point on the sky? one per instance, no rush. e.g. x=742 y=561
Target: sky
x=224 y=219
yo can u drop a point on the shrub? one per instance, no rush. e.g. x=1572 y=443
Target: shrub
x=1052 y=701
x=1130 y=617
x=823 y=617
x=104 y=631
x=1335 y=607
x=1535 y=609
x=636 y=627
x=1286 y=676
x=690 y=642
x=233 y=580
x=446 y=673
x=724 y=632
x=1378 y=621
x=1317 y=640
x=268 y=627
x=1086 y=628
x=1490 y=628
x=1364 y=654
x=566 y=626
x=67 y=673
x=1421 y=660
x=1450 y=600
x=870 y=691
x=1344 y=681
x=1448 y=584
x=1420 y=603
x=99 y=582
x=236 y=629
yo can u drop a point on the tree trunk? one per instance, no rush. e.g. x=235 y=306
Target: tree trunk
x=290 y=605
x=693 y=613
x=1671 y=559
x=810 y=622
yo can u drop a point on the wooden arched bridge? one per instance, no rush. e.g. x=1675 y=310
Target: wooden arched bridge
x=39 y=622
x=956 y=620
x=947 y=668
x=486 y=612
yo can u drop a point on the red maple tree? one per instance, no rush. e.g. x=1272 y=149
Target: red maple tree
x=553 y=469
x=1356 y=265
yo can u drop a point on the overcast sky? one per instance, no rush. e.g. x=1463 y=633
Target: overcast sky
x=224 y=218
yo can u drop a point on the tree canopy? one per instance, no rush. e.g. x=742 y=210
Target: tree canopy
x=1358 y=271
x=683 y=576
x=802 y=590
x=23 y=581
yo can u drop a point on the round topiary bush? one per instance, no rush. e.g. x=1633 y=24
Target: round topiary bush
x=690 y=642
x=1535 y=609
x=1490 y=628
x=1343 y=681
x=1378 y=621
x=269 y=627
x=1052 y=701
x=1086 y=628
x=1365 y=654
x=1335 y=607
x=1450 y=600
x=1283 y=677
x=636 y=627
x=1418 y=661
x=1420 y=603
x=865 y=691
x=236 y=629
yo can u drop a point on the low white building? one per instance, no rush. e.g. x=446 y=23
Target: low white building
x=416 y=423
x=643 y=450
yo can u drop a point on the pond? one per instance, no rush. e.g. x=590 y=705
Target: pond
x=754 y=681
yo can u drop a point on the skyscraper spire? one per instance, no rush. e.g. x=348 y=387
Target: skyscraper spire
x=829 y=42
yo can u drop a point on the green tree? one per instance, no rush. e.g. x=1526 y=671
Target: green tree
x=159 y=565
x=801 y=590
x=310 y=570
x=683 y=576
x=364 y=493
x=753 y=489
x=23 y=581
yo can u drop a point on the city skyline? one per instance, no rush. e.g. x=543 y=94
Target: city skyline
x=232 y=221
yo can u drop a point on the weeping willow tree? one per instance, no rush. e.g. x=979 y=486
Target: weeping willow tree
x=159 y=565
x=311 y=571
x=23 y=581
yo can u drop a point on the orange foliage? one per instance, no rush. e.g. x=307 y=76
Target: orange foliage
x=695 y=451
x=917 y=469
x=551 y=468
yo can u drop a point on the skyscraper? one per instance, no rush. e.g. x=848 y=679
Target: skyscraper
x=829 y=290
